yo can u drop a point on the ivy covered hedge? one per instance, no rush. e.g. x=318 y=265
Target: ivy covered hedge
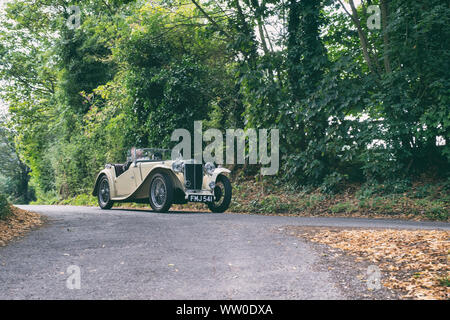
x=353 y=104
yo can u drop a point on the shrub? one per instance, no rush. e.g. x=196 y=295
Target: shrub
x=80 y=200
x=421 y=191
x=389 y=187
x=345 y=207
x=396 y=186
x=314 y=200
x=272 y=204
x=437 y=211
x=5 y=209
x=50 y=198
x=333 y=183
x=446 y=185
x=445 y=282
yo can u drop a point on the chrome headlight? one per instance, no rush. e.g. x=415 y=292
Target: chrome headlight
x=209 y=168
x=177 y=166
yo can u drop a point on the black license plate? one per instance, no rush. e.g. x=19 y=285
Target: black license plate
x=200 y=198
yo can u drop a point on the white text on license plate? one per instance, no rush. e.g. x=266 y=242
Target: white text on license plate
x=200 y=198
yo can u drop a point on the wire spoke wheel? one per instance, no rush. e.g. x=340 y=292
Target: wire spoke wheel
x=219 y=193
x=104 y=191
x=104 y=194
x=161 y=192
x=222 y=195
x=158 y=192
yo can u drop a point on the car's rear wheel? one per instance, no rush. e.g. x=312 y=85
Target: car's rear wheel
x=161 y=192
x=104 y=194
x=222 y=195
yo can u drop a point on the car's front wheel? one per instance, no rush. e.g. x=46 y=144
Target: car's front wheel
x=161 y=192
x=104 y=194
x=222 y=195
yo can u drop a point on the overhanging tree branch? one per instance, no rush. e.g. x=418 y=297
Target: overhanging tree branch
x=210 y=19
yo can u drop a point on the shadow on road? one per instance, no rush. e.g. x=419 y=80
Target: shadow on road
x=164 y=213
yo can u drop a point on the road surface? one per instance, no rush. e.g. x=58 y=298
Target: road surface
x=135 y=254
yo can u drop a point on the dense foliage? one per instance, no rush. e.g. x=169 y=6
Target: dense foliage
x=352 y=103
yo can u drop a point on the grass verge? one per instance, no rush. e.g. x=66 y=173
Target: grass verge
x=415 y=201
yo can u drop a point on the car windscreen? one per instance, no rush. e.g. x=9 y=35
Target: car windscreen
x=152 y=154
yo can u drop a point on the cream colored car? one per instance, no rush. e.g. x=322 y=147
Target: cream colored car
x=150 y=176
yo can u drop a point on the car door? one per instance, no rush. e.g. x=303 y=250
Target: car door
x=126 y=182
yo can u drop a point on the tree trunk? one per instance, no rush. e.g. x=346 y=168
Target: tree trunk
x=385 y=23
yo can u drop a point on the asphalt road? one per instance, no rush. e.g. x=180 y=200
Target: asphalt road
x=131 y=254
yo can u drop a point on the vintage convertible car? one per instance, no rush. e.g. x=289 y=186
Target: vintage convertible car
x=150 y=176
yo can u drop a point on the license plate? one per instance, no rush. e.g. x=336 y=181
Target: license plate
x=200 y=198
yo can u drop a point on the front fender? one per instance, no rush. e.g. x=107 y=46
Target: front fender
x=109 y=175
x=218 y=172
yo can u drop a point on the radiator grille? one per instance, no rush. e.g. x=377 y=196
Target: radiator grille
x=193 y=176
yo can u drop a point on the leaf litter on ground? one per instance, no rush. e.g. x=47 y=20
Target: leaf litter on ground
x=17 y=224
x=412 y=261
